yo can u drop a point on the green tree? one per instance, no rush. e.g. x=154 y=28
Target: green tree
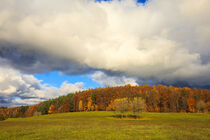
x=93 y=97
x=22 y=110
x=44 y=107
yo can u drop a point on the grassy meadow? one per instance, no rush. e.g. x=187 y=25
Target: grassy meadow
x=101 y=126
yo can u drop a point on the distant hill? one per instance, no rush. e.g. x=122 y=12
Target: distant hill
x=157 y=99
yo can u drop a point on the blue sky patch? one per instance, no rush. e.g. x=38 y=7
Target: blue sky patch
x=56 y=79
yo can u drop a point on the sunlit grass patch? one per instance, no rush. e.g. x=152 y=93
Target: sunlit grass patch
x=101 y=125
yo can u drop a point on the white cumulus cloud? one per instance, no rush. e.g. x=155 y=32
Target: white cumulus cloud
x=17 y=88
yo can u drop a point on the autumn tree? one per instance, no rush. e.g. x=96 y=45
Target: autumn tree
x=80 y=106
x=32 y=111
x=52 y=109
x=121 y=105
x=89 y=104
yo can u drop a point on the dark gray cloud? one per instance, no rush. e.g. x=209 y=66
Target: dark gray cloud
x=112 y=80
x=19 y=101
x=31 y=61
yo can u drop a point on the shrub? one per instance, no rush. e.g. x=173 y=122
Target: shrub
x=119 y=116
x=133 y=116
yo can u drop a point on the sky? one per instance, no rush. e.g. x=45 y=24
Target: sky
x=50 y=48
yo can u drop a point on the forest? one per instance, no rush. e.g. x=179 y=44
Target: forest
x=158 y=98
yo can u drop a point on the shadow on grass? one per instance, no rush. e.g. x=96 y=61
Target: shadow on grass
x=121 y=116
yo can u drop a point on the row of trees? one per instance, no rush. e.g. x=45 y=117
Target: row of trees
x=57 y=105
x=157 y=99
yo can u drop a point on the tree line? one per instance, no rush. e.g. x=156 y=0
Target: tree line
x=158 y=98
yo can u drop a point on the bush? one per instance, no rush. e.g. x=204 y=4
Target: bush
x=133 y=116
x=119 y=116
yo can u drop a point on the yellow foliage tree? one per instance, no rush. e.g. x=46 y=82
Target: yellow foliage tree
x=80 y=106
x=89 y=104
x=52 y=109
x=121 y=105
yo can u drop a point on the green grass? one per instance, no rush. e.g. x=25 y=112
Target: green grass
x=99 y=126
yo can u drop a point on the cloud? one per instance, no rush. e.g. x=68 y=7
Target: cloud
x=37 y=62
x=162 y=40
x=20 y=102
x=17 y=88
x=107 y=80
